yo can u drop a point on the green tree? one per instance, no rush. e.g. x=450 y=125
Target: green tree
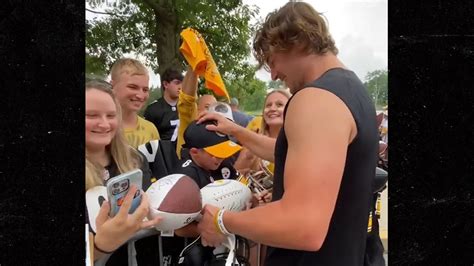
x=377 y=85
x=151 y=29
x=254 y=103
x=276 y=84
x=155 y=94
x=95 y=67
x=249 y=91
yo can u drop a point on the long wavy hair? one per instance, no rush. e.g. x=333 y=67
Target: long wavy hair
x=122 y=154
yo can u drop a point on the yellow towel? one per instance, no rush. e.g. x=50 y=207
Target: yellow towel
x=198 y=56
x=193 y=52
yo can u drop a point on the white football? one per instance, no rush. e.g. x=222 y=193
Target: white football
x=177 y=199
x=226 y=194
x=94 y=198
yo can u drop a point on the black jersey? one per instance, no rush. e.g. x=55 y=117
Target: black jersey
x=165 y=117
x=112 y=170
x=226 y=170
x=146 y=247
x=345 y=241
x=199 y=175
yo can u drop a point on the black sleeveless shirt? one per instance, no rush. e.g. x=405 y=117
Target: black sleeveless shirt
x=345 y=241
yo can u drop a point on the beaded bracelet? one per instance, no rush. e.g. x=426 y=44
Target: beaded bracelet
x=219 y=222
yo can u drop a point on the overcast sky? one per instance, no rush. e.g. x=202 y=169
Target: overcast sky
x=359 y=28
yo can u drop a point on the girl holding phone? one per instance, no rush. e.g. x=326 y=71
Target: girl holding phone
x=108 y=155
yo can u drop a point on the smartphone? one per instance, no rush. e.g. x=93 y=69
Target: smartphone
x=118 y=187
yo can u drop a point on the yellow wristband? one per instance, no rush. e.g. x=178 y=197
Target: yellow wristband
x=216 y=223
x=219 y=222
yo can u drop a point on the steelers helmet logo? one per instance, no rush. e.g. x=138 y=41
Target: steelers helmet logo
x=225 y=172
x=221 y=108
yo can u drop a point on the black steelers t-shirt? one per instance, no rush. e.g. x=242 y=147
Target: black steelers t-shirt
x=225 y=171
x=165 y=118
x=199 y=175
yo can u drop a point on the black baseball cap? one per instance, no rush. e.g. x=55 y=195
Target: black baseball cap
x=220 y=146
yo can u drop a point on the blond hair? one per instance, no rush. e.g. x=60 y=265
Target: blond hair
x=296 y=24
x=128 y=66
x=123 y=155
x=249 y=159
x=264 y=128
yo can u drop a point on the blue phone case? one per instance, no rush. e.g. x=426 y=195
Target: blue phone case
x=117 y=189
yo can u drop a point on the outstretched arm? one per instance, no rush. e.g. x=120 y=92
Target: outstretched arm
x=261 y=145
x=313 y=172
x=190 y=83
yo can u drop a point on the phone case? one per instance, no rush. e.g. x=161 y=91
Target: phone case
x=117 y=189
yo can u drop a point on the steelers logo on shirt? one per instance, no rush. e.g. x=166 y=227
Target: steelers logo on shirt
x=225 y=171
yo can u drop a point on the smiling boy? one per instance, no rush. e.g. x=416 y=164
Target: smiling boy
x=130 y=83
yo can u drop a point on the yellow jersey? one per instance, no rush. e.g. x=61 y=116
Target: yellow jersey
x=144 y=132
x=255 y=124
x=187 y=112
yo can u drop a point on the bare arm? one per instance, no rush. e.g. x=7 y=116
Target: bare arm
x=190 y=83
x=245 y=161
x=262 y=146
x=313 y=172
